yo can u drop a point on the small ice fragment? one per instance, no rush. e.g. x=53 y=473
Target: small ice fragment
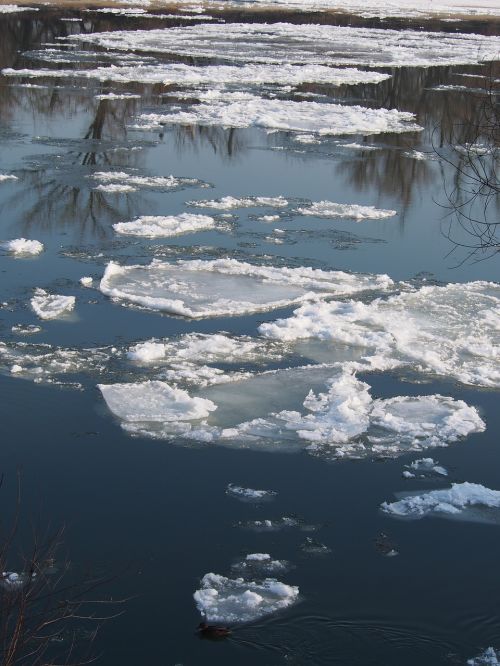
x=16 y=368
x=6 y=176
x=313 y=547
x=26 y=329
x=427 y=466
x=86 y=281
x=329 y=209
x=157 y=226
x=249 y=494
x=51 y=306
x=22 y=246
x=490 y=657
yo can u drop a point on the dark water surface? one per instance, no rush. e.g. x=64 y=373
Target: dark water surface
x=156 y=512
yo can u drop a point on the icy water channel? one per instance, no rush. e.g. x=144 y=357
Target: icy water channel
x=227 y=265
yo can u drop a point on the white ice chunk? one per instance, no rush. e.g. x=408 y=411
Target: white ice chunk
x=329 y=209
x=240 y=110
x=226 y=287
x=156 y=226
x=12 y=9
x=51 y=306
x=121 y=181
x=5 y=176
x=229 y=600
x=22 y=246
x=452 y=331
x=464 y=500
x=86 y=281
x=154 y=401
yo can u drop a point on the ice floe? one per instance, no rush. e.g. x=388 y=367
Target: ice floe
x=26 y=329
x=6 y=176
x=22 y=247
x=490 y=657
x=326 y=410
x=120 y=181
x=424 y=467
x=249 y=494
x=51 y=306
x=211 y=75
x=240 y=110
x=153 y=401
x=232 y=600
x=278 y=524
x=466 y=501
x=305 y=44
x=452 y=330
x=157 y=226
x=86 y=281
x=329 y=209
x=226 y=287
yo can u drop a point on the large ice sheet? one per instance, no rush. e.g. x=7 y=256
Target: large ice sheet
x=153 y=401
x=227 y=287
x=231 y=109
x=190 y=75
x=453 y=331
x=467 y=501
x=158 y=226
x=311 y=44
x=232 y=600
x=375 y=8
x=326 y=410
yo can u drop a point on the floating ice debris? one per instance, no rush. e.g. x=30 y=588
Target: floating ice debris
x=450 y=331
x=231 y=203
x=190 y=75
x=269 y=218
x=313 y=547
x=203 y=348
x=474 y=149
x=424 y=467
x=11 y=580
x=51 y=306
x=360 y=146
x=26 y=329
x=226 y=287
x=307 y=138
x=306 y=44
x=154 y=401
x=6 y=176
x=15 y=369
x=22 y=247
x=86 y=281
x=156 y=226
x=114 y=96
x=12 y=9
x=384 y=545
x=249 y=494
x=228 y=600
x=278 y=524
x=257 y=564
x=467 y=501
x=120 y=181
x=490 y=657
x=328 y=209
x=228 y=109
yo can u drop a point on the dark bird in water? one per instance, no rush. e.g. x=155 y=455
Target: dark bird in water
x=213 y=631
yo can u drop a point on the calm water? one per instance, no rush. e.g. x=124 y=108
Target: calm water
x=156 y=512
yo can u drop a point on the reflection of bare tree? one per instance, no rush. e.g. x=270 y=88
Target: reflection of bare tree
x=473 y=191
x=61 y=199
x=228 y=143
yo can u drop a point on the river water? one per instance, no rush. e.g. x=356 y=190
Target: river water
x=284 y=339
